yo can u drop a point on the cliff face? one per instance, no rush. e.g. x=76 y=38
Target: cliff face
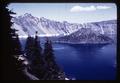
x=28 y=24
x=98 y=32
x=95 y=32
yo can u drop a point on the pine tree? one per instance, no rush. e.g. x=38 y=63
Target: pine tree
x=37 y=52
x=15 y=42
x=56 y=72
x=29 y=47
x=33 y=53
x=49 y=55
x=12 y=48
x=33 y=50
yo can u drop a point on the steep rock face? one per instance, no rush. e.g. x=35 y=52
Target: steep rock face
x=86 y=36
x=95 y=32
x=98 y=32
x=108 y=28
x=28 y=24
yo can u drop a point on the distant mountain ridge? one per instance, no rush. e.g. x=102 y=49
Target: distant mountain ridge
x=104 y=31
x=28 y=24
x=97 y=32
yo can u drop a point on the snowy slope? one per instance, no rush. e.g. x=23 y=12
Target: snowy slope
x=29 y=24
x=98 y=32
x=103 y=31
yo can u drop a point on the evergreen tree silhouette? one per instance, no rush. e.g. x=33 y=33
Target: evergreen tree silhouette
x=56 y=72
x=15 y=42
x=11 y=68
x=33 y=53
x=29 y=47
x=48 y=53
x=49 y=56
x=33 y=50
x=37 y=52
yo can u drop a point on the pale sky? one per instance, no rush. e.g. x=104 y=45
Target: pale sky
x=71 y=12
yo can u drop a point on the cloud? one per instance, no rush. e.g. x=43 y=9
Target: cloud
x=88 y=8
x=102 y=7
x=79 y=8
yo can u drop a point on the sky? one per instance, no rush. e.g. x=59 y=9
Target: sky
x=71 y=12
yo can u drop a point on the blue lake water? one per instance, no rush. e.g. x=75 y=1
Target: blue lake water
x=86 y=63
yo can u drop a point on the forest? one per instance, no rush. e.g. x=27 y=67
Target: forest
x=34 y=63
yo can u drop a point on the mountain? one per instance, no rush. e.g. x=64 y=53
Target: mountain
x=97 y=32
x=94 y=32
x=28 y=24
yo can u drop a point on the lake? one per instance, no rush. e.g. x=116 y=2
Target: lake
x=84 y=62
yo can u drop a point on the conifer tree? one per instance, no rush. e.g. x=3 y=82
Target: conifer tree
x=37 y=52
x=33 y=50
x=12 y=47
x=49 y=55
x=29 y=47
x=33 y=53
x=15 y=42
x=50 y=60
x=12 y=67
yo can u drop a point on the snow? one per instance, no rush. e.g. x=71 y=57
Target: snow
x=32 y=77
x=28 y=24
x=18 y=27
x=21 y=58
x=25 y=62
x=43 y=26
x=66 y=79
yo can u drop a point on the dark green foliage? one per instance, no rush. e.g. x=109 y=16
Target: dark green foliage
x=29 y=47
x=17 y=50
x=49 y=57
x=48 y=53
x=11 y=68
x=43 y=66
x=37 y=52
x=56 y=72
x=33 y=53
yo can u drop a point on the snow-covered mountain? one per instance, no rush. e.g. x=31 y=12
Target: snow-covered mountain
x=28 y=24
x=97 y=32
